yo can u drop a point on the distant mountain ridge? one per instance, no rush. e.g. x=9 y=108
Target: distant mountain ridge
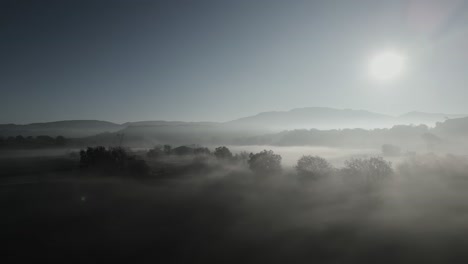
x=427 y=117
x=68 y=128
x=331 y=118
x=275 y=121
x=165 y=123
x=312 y=117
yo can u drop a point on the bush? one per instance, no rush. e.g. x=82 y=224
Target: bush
x=265 y=162
x=313 y=167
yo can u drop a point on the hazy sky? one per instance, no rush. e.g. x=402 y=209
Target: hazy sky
x=219 y=60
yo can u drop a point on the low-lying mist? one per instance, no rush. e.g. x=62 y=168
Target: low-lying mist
x=419 y=213
x=290 y=155
x=196 y=209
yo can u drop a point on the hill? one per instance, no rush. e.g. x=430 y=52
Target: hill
x=330 y=118
x=69 y=128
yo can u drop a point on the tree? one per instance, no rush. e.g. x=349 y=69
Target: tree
x=19 y=139
x=313 y=167
x=222 y=153
x=371 y=170
x=431 y=140
x=242 y=157
x=60 y=140
x=137 y=167
x=265 y=162
x=182 y=151
x=391 y=150
x=112 y=160
x=120 y=137
x=201 y=151
x=155 y=152
x=45 y=140
x=167 y=149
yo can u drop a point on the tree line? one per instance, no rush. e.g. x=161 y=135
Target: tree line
x=32 y=142
x=266 y=162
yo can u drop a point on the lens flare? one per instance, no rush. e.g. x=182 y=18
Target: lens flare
x=387 y=65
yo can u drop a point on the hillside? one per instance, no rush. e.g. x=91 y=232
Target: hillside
x=321 y=118
x=70 y=128
x=330 y=118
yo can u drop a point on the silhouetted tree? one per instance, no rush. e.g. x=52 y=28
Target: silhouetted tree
x=265 y=162
x=201 y=151
x=222 y=153
x=167 y=149
x=33 y=142
x=137 y=166
x=112 y=160
x=241 y=157
x=182 y=151
x=155 y=152
x=313 y=167
x=371 y=170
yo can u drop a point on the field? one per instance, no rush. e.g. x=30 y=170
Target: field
x=222 y=213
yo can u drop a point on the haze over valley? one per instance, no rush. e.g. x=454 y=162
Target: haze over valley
x=247 y=131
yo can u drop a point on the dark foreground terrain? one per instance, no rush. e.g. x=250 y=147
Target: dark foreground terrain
x=229 y=215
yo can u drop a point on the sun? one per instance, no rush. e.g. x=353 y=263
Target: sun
x=387 y=65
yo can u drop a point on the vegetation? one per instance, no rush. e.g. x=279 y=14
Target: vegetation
x=155 y=152
x=371 y=170
x=313 y=167
x=222 y=153
x=202 y=190
x=391 y=150
x=265 y=162
x=114 y=160
x=20 y=142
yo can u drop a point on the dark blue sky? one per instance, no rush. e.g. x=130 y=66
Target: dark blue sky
x=219 y=60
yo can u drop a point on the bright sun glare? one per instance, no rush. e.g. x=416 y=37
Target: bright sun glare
x=387 y=65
